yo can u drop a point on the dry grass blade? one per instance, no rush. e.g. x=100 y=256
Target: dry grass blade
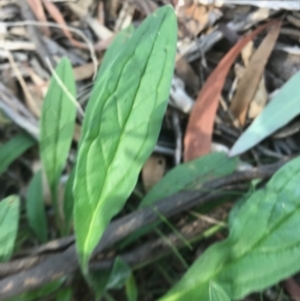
x=58 y=17
x=38 y=10
x=249 y=83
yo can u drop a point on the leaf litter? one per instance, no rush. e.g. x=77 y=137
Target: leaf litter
x=211 y=38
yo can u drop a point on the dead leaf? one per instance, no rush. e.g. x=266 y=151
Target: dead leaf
x=187 y=74
x=58 y=17
x=292 y=288
x=259 y=101
x=247 y=52
x=249 y=83
x=195 y=17
x=104 y=44
x=260 y=97
x=84 y=71
x=153 y=171
x=198 y=137
x=40 y=84
x=77 y=132
x=38 y=10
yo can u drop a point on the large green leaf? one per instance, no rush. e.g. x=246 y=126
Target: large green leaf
x=128 y=106
x=190 y=175
x=281 y=109
x=35 y=207
x=9 y=220
x=14 y=148
x=57 y=124
x=263 y=246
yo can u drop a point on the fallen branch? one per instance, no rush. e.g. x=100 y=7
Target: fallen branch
x=60 y=264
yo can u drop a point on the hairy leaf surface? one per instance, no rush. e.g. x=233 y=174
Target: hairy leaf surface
x=57 y=124
x=9 y=221
x=263 y=246
x=128 y=105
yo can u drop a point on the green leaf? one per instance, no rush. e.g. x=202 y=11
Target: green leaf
x=69 y=202
x=216 y=293
x=9 y=220
x=128 y=106
x=14 y=148
x=281 y=109
x=97 y=280
x=35 y=207
x=131 y=289
x=119 y=274
x=190 y=175
x=114 y=49
x=101 y=281
x=110 y=56
x=263 y=246
x=57 y=125
x=64 y=294
x=42 y=292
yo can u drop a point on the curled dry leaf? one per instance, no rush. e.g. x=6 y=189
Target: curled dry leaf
x=198 y=137
x=249 y=83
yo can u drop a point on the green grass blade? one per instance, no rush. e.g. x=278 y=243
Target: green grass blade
x=14 y=148
x=128 y=106
x=35 y=207
x=57 y=125
x=9 y=221
x=263 y=246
